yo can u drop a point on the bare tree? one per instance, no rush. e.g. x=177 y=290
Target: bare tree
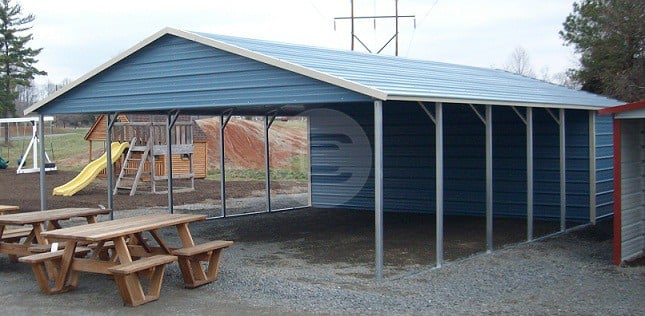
x=520 y=63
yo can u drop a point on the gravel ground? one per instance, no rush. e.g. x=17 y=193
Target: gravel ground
x=283 y=271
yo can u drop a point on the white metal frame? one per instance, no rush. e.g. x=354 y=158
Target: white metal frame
x=34 y=141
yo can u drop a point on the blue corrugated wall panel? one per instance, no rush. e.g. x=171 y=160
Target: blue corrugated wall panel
x=577 y=165
x=332 y=168
x=409 y=162
x=604 y=165
x=175 y=73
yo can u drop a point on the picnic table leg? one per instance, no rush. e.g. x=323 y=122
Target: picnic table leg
x=91 y=219
x=49 y=266
x=191 y=270
x=53 y=223
x=129 y=285
x=66 y=278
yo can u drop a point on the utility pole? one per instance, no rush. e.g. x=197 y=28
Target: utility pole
x=394 y=37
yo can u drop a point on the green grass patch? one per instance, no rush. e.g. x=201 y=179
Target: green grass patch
x=71 y=143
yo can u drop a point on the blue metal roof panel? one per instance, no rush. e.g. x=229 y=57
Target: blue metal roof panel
x=409 y=78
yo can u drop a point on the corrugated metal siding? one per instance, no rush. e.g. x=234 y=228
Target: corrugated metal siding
x=406 y=77
x=577 y=165
x=409 y=163
x=331 y=167
x=632 y=191
x=604 y=166
x=175 y=73
x=408 y=158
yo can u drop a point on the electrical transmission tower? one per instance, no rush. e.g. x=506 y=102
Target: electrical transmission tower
x=394 y=37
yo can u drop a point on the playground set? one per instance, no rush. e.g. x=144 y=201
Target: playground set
x=29 y=152
x=139 y=154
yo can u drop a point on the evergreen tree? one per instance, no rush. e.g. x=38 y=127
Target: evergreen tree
x=17 y=59
x=609 y=35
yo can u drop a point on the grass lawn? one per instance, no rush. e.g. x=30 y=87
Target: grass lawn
x=66 y=143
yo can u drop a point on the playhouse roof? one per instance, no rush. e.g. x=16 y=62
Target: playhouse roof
x=193 y=71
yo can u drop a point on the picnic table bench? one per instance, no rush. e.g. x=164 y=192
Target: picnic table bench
x=10 y=239
x=131 y=255
x=15 y=233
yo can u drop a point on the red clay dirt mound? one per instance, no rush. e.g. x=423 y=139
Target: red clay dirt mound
x=244 y=142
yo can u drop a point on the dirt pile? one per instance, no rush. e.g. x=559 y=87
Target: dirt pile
x=244 y=142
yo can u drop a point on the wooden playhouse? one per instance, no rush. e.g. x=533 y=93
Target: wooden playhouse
x=147 y=136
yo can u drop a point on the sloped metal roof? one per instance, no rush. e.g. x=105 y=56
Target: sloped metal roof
x=374 y=76
x=420 y=80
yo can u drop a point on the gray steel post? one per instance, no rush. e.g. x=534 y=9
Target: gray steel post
x=378 y=187
x=108 y=159
x=267 y=182
x=169 y=123
x=41 y=140
x=563 y=172
x=222 y=182
x=529 y=174
x=489 y=179
x=439 y=181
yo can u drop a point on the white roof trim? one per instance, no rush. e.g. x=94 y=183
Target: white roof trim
x=493 y=102
x=308 y=72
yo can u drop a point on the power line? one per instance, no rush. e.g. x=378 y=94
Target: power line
x=396 y=18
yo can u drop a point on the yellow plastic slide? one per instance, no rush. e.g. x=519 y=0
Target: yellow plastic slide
x=90 y=171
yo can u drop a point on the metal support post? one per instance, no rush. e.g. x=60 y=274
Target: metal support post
x=41 y=140
x=378 y=187
x=529 y=174
x=439 y=181
x=489 y=178
x=563 y=172
x=528 y=121
x=223 y=121
x=268 y=121
x=437 y=119
x=171 y=118
x=111 y=118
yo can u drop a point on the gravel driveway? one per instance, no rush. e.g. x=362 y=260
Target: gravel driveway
x=567 y=274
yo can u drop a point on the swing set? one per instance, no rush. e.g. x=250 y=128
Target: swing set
x=32 y=147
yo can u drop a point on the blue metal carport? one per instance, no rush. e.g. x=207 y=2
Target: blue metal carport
x=445 y=139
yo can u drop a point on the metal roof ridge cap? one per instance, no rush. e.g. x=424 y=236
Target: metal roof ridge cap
x=99 y=69
x=283 y=64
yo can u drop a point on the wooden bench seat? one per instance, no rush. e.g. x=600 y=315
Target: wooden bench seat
x=129 y=282
x=45 y=248
x=15 y=233
x=190 y=258
x=40 y=260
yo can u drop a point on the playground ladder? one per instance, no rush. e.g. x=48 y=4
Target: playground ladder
x=144 y=151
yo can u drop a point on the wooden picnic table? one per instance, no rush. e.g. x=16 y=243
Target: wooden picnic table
x=11 y=244
x=125 y=236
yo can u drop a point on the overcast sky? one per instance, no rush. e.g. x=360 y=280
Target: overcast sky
x=79 y=35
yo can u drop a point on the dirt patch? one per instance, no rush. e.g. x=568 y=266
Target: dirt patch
x=244 y=143
x=23 y=190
